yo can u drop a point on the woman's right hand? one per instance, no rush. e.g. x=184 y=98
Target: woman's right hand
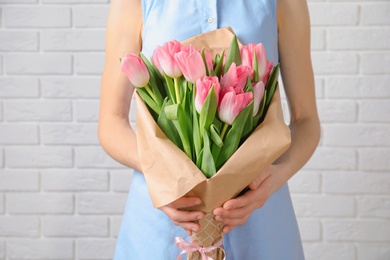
x=184 y=218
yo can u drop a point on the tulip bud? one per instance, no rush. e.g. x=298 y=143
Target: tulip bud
x=232 y=104
x=135 y=69
x=203 y=87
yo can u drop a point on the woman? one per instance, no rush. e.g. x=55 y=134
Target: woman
x=261 y=223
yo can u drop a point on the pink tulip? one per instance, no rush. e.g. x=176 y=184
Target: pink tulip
x=209 y=61
x=190 y=63
x=236 y=77
x=135 y=70
x=232 y=104
x=247 y=58
x=203 y=87
x=164 y=58
x=258 y=93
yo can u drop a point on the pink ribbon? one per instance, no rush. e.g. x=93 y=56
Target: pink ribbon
x=192 y=247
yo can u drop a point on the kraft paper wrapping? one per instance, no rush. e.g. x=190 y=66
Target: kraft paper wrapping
x=170 y=174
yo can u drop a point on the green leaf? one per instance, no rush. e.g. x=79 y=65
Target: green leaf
x=172 y=111
x=199 y=159
x=167 y=126
x=215 y=136
x=219 y=62
x=148 y=100
x=233 y=137
x=248 y=128
x=205 y=62
x=256 y=67
x=259 y=115
x=207 y=114
x=196 y=134
x=208 y=164
x=233 y=54
x=169 y=88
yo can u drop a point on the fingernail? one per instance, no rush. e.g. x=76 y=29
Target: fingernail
x=197 y=201
x=198 y=217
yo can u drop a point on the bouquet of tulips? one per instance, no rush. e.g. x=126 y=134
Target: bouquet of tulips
x=206 y=106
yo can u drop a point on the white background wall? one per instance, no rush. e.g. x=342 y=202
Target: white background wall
x=61 y=197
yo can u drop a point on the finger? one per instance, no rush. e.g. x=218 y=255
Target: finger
x=234 y=214
x=182 y=215
x=185 y=202
x=239 y=202
x=233 y=221
x=256 y=182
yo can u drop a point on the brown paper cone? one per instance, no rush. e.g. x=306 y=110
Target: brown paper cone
x=209 y=235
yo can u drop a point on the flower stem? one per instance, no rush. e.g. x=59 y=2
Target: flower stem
x=150 y=92
x=176 y=82
x=225 y=127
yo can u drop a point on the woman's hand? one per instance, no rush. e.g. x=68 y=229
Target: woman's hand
x=235 y=212
x=184 y=218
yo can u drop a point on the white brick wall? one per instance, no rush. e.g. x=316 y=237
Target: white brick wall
x=62 y=197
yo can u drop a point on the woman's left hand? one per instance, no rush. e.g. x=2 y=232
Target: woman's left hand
x=235 y=212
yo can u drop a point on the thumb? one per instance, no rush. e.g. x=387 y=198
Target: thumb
x=255 y=183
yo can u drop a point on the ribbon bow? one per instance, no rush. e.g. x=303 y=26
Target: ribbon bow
x=188 y=247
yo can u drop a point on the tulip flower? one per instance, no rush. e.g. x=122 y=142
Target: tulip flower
x=164 y=58
x=190 y=63
x=203 y=87
x=236 y=77
x=135 y=69
x=264 y=66
x=258 y=93
x=232 y=104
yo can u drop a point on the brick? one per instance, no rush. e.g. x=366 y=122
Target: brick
x=375 y=14
x=333 y=14
x=357 y=230
x=375 y=111
x=358 y=87
x=375 y=63
x=121 y=180
x=19 y=226
x=305 y=182
x=375 y=159
x=358 y=39
x=18 y=41
x=341 y=158
x=39 y=157
x=19 y=87
x=355 y=135
x=2 y=207
x=74 y=226
x=1 y=157
x=89 y=64
x=91 y=16
x=115 y=225
x=69 y=134
x=326 y=251
x=94 y=157
x=71 y=87
x=39 y=203
x=100 y=203
x=356 y=183
x=38 y=110
x=10 y=180
x=74 y=180
x=73 y=40
x=335 y=63
x=373 y=251
x=2 y=249
x=18 y=134
x=38 y=63
x=87 y=111
x=324 y=205
x=35 y=16
x=332 y=111
x=317 y=39
x=373 y=206
x=309 y=229
x=96 y=249
x=1 y=112
x=40 y=249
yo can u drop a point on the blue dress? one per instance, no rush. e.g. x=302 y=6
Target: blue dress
x=271 y=233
